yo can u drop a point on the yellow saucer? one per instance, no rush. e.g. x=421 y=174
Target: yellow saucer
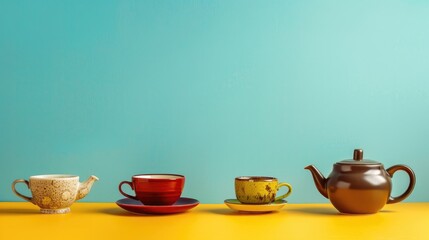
x=236 y=205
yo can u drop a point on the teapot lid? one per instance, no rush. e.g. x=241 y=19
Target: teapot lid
x=358 y=159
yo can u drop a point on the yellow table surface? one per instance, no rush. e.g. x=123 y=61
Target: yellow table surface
x=214 y=221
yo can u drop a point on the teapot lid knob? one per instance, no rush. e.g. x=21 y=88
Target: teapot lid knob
x=358 y=160
x=358 y=155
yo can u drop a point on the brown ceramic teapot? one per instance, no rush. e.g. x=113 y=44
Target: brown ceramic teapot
x=360 y=186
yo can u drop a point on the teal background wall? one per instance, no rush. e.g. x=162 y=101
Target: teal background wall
x=212 y=90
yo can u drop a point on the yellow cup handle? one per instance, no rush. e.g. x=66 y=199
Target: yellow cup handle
x=286 y=194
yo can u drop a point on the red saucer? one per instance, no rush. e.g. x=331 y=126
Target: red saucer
x=135 y=206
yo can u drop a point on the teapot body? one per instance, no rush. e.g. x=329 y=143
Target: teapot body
x=360 y=186
x=358 y=189
x=55 y=193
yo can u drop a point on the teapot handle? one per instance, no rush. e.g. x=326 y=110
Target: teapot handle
x=410 y=188
x=19 y=194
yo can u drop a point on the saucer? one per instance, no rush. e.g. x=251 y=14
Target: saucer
x=135 y=206
x=236 y=205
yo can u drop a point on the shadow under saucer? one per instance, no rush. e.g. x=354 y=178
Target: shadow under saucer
x=123 y=213
x=230 y=212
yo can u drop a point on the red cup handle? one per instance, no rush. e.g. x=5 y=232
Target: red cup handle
x=410 y=188
x=123 y=193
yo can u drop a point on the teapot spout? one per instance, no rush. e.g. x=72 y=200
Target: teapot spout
x=85 y=187
x=319 y=180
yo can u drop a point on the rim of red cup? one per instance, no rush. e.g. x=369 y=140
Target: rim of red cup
x=162 y=176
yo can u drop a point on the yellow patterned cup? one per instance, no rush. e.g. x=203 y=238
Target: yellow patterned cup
x=259 y=190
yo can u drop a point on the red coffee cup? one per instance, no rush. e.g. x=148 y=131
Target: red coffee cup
x=155 y=189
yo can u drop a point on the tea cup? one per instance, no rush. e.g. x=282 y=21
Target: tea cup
x=259 y=190
x=155 y=189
